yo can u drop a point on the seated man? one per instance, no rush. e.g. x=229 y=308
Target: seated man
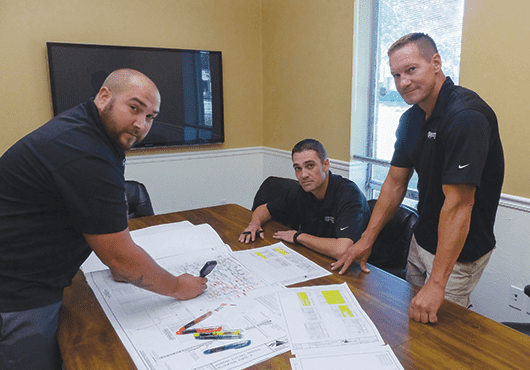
x=330 y=211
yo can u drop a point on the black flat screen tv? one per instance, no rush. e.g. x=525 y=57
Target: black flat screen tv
x=190 y=83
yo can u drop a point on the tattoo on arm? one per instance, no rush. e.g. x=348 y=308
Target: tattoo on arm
x=139 y=282
x=136 y=282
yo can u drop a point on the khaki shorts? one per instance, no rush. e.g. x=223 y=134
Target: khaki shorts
x=463 y=279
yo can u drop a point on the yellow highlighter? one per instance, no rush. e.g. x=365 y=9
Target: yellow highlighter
x=219 y=335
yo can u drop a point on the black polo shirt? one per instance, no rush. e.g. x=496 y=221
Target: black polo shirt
x=458 y=144
x=62 y=180
x=343 y=213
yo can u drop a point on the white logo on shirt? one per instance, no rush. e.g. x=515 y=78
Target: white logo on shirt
x=431 y=135
x=343 y=228
x=460 y=166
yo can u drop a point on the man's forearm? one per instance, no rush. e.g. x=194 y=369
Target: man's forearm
x=129 y=263
x=392 y=193
x=260 y=216
x=453 y=228
x=331 y=247
x=140 y=270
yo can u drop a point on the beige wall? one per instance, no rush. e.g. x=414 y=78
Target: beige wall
x=300 y=49
x=307 y=69
x=231 y=26
x=495 y=55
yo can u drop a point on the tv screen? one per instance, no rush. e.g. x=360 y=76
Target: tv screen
x=189 y=81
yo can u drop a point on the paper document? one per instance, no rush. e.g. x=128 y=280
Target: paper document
x=147 y=322
x=326 y=319
x=239 y=299
x=258 y=318
x=280 y=265
x=246 y=291
x=380 y=358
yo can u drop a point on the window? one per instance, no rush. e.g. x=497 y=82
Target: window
x=378 y=105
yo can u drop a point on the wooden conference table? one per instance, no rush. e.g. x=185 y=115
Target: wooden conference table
x=461 y=339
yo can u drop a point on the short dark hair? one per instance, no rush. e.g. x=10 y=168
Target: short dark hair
x=424 y=42
x=310 y=144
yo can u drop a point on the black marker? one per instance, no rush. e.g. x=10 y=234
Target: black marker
x=228 y=346
x=207 y=268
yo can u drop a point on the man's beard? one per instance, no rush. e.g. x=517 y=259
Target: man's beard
x=109 y=122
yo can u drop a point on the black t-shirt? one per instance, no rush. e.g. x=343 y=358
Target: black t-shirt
x=62 y=180
x=343 y=213
x=458 y=144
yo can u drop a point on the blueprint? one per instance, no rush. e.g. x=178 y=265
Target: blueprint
x=238 y=299
x=246 y=292
x=280 y=265
x=326 y=319
x=381 y=358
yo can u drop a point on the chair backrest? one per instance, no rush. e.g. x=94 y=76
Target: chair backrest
x=138 y=201
x=272 y=188
x=391 y=248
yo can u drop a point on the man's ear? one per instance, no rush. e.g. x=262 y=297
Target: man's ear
x=103 y=97
x=325 y=165
x=437 y=62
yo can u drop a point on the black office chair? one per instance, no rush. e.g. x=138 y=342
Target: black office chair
x=523 y=327
x=391 y=248
x=272 y=188
x=138 y=201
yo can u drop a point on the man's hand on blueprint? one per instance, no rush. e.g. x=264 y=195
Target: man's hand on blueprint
x=130 y=263
x=189 y=286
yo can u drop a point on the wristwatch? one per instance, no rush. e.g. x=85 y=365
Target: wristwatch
x=295 y=237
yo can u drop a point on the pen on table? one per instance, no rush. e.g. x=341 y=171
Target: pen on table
x=219 y=335
x=201 y=330
x=228 y=346
x=196 y=321
x=248 y=232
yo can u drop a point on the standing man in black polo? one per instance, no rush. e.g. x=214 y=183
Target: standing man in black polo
x=450 y=136
x=62 y=196
x=330 y=211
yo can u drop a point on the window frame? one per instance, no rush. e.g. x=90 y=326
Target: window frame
x=364 y=82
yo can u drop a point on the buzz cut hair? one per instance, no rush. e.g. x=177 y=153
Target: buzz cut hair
x=122 y=79
x=310 y=144
x=424 y=42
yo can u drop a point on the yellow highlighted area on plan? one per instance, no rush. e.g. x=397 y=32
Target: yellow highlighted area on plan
x=304 y=298
x=282 y=251
x=261 y=255
x=345 y=311
x=333 y=296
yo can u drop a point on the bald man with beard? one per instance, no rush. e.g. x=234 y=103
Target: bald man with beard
x=62 y=196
